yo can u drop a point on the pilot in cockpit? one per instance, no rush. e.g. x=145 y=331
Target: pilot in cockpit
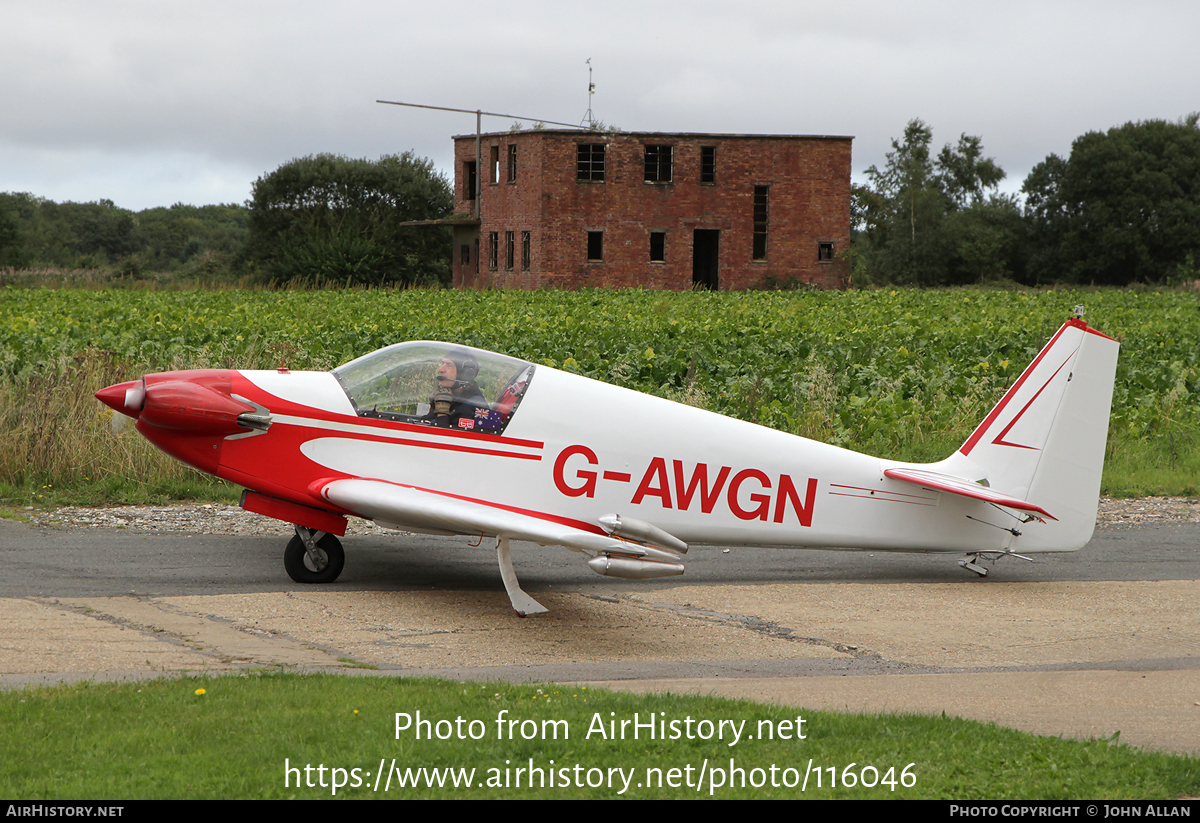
x=458 y=396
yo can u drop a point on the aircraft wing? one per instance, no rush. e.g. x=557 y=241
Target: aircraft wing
x=961 y=486
x=393 y=504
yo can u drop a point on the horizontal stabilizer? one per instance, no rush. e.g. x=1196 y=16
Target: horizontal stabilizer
x=965 y=488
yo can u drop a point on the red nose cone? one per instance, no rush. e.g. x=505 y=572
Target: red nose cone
x=189 y=406
x=127 y=398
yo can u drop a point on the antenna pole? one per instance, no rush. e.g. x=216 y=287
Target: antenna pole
x=478 y=169
x=589 y=118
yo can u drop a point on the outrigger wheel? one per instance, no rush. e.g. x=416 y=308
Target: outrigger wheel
x=313 y=557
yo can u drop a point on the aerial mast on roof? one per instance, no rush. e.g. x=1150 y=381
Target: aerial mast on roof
x=589 y=120
x=479 y=115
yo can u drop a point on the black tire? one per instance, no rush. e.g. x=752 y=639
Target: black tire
x=299 y=565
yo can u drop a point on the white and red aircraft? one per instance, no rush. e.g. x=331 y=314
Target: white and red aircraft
x=443 y=439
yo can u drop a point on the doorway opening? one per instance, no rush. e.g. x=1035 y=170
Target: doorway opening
x=706 y=244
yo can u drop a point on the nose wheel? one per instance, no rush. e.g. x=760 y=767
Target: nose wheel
x=313 y=557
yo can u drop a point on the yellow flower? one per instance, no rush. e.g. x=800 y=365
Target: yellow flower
x=200 y=691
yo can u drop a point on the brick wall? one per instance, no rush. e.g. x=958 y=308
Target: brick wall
x=807 y=182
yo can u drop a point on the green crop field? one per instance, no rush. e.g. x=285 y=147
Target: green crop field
x=904 y=374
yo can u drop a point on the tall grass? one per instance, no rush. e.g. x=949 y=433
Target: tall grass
x=185 y=278
x=58 y=444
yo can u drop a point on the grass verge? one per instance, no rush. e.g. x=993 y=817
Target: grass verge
x=236 y=737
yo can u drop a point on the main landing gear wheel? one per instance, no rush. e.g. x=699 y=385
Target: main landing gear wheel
x=320 y=561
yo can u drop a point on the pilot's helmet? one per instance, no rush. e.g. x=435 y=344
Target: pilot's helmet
x=465 y=363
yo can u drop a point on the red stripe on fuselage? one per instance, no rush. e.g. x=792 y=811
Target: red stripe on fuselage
x=881 y=491
x=881 y=494
x=420 y=444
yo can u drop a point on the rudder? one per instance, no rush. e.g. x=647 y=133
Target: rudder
x=1045 y=440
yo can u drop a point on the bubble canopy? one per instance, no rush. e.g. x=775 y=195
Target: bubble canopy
x=479 y=390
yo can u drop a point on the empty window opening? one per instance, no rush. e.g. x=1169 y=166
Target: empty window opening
x=469 y=181
x=495 y=164
x=493 y=249
x=708 y=164
x=658 y=164
x=508 y=250
x=525 y=251
x=760 y=222
x=658 y=246
x=595 y=248
x=465 y=258
x=512 y=162
x=589 y=165
x=824 y=252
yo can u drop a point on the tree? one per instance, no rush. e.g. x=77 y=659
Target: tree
x=964 y=174
x=100 y=229
x=936 y=221
x=901 y=210
x=986 y=240
x=11 y=249
x=69 y=234
x=182 y=234
x=332 y=219
x=1124 y=207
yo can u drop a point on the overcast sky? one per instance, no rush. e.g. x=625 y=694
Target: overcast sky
x=150 y=103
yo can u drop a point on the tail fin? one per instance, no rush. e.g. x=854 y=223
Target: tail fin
x=1044 y=441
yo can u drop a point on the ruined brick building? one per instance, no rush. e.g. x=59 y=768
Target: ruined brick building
x=569 y=209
